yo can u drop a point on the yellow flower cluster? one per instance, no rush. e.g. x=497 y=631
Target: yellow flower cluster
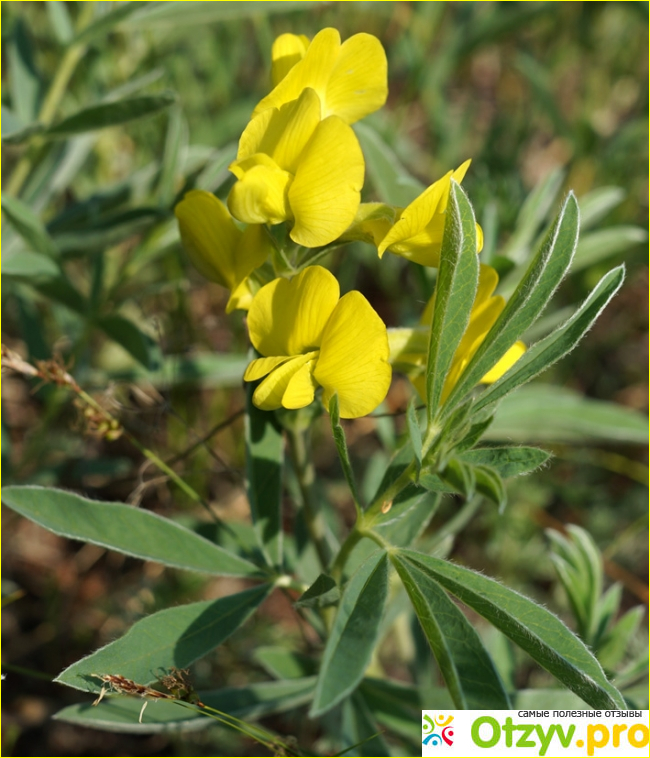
x=299 y=163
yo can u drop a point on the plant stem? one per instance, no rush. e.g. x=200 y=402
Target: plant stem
x=300 y=452
x=351 y=541
x=388 y=495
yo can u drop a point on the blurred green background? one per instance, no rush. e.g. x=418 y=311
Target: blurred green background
x=543 y=97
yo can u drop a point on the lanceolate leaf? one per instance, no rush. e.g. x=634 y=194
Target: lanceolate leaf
x=466 y=666
x=125 y=529
x=537 y=631
x=359 y=731
x=28 y=225
x=455 y=292
x=353 y=635
x=507 y=461
x=111 y=114
x=131 y=338
x=544 y=274
x=121 y=714
x=544 y=353
x=264 y=462
x=174 y=637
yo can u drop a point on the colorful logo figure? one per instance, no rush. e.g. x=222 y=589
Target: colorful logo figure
x=433 y=737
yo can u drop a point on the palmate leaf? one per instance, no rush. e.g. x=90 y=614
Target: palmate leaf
x=354 y=633
x=537 y=631
x=455 y=292
x=544 y=274
x=466 y=666
x=124 y=528
x=174 y=637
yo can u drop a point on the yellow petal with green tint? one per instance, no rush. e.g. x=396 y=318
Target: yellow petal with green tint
x=419 y=228
x=268 y=395
x=371 y=223
x=325 y=193
x=506 y=363
x=353 y=360
x=260 y=367
x=358 y=84
x=209 y=236
x=301 y=387
x=287 y=50
x=288 y=317
x=260 y=194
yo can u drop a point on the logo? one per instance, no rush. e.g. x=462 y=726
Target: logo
x=437 y=730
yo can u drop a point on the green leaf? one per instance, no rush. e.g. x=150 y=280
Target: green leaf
x=28 y=225
x=25 y=84
x=111 y=114
x=596 y=204
x=544 y=274
x=173 y=156
x=120 y=714
x=359 y=732
x=545 y=413
x=390 y=179
x=25 y=265
x=104 y=24
x=490 y=485
x=59 y=289
x=323 y=592
x=19 y=134
x=398 y=706
x=415 y=434
x=409 y=516
x=60 y=21
x=605 y=243
x=282 y=663
x=465 y=664
x=354 y=634
x=532 y=214
x=614 y=647
x=454 y=295
x=342 y=449
x=180 y=14
x=507 y=461
x=264 y=464
x=460 y=476
x=124 y=528
x=557 y=344
x=215 y=172
x=132 y=339
x=173 y=637
x=537 y=631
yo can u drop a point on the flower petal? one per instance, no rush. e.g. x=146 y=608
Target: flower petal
x=260 y=195
x=260 y=367
x=507 y=362
x=287 y=50
x=209 y=236
x=288 y=317
x=268 y=395
x=358 y=84
x=350 y=79
x=353 y=360
x=301 y=387
x=312 y=71
x=290 y=129
x=325 y=194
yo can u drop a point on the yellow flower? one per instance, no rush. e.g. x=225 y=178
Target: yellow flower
x=350 y=78
x=308 y=337
x=219 y=250
x=414 y=232
x=287 y=50
x=293 y=166
x=408 y=347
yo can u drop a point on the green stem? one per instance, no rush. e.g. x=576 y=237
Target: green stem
x=351 y=541
x=52 y=100
x=299 y=451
